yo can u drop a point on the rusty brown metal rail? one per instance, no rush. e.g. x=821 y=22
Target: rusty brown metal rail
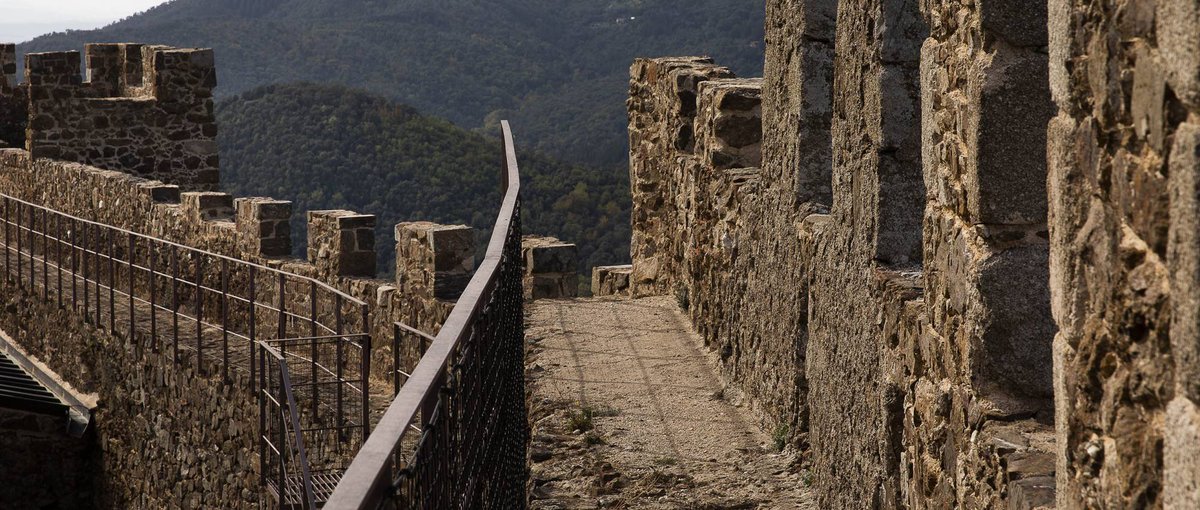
x=456 y=433
x=154 y=292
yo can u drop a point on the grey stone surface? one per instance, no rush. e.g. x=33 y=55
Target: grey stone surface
x=549 y=268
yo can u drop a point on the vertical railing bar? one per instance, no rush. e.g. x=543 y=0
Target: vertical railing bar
x=282 y=328
x=58 y=255
x=262 y=402
x=337 y=312
x=45 y=255
x=87 y=270
x=395 y=359
x=312 y=329
x=175 y=300
x=96 y=276
x=132 y=314
x=32 y=250
x=225 y=319
x=112 y=282
x=253 y=322
x=152 y=275
x=366 y=372
x=75 y=238
x=20 y=263
x=7 y=245
x=199 y=258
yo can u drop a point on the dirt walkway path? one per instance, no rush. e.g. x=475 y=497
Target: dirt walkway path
x=628 y=411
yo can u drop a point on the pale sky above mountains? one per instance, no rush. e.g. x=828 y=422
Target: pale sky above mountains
x=22 y=20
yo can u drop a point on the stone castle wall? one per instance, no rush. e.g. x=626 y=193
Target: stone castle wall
x=13 y=105
x=143 y=109
x=1123 y=257
x=952 y=296
x=163 y=435
x=153 y=409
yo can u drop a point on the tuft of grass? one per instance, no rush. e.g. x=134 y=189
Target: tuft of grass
x=583 y=419
x=666 y=461
x=806 y=478
x=780 y=437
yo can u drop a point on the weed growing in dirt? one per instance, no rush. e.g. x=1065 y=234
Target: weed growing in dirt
x=780 y=436
x=582 y=420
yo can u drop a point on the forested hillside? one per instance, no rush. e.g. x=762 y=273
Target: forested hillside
x=328 y=147
x=557 y=69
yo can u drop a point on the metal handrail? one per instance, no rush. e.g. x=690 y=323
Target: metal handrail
x=368 y=480
x=64 y=254
x=293 y=420
x=184 y=247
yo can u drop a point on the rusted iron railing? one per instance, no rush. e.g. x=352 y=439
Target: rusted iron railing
x=455 y=435
x=278 y=333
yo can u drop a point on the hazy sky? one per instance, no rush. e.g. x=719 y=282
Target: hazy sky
x=21 y=20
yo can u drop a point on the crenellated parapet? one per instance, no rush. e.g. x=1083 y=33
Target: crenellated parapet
x=143 y=109
x=861 y=237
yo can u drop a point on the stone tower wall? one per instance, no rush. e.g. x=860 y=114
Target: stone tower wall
x=145 y=110
x=961 y=270
x=1123 y=164
x=14 y=113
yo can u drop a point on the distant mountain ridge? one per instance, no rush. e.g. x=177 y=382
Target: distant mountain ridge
x=557 y=69
x=325 y=146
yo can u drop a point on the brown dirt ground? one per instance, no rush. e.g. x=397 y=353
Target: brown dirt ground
x=628 y=411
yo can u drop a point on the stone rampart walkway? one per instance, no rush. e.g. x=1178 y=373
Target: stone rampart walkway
x=628 y=411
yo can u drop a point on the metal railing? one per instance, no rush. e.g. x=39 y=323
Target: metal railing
x=455 y=435
x=278 y=333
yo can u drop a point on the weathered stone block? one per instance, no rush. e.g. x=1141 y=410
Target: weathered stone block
x=611 y=280
x=550 y=268
x=207 y=205
x=264 y=226
x=1009 y=186
x=162 y=193
x=728 y=125
x=53 y=69
x=1178 y=31
x=434 y=260
x=8 y=66
x=1181 y=459
x=342 y=243
x=1183 y=258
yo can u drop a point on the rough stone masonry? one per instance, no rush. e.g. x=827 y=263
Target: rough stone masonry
x=960 y=259
x=132 y=147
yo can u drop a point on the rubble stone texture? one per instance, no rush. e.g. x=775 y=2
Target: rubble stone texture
x=549 y=268
x=434 y=260
x=611 y=280
x=14 y=113
x=1123 y=206
x=147 y=110
x=892 y=299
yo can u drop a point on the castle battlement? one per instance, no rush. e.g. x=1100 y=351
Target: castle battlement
x=133 y=146
x=143 y=109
